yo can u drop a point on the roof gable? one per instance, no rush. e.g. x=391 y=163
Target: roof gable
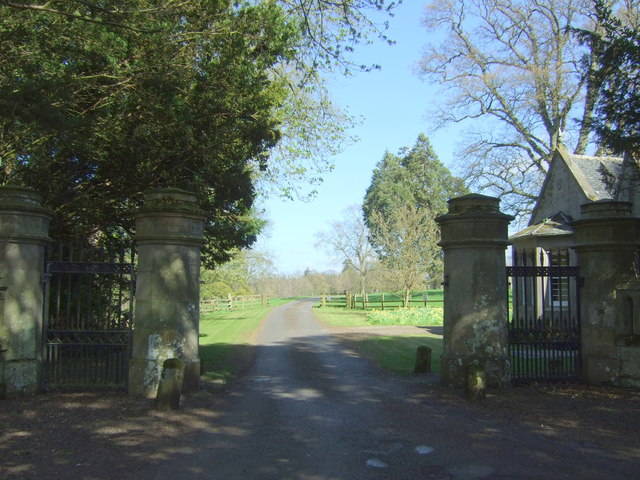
x=573 y=180
x=602 y=174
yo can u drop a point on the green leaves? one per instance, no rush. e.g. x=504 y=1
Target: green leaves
x=407 y=192
x=94 y=114
x=616 y=49
x=100 y=101
x=415 y=177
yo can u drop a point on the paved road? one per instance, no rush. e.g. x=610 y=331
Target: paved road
x=311 y=410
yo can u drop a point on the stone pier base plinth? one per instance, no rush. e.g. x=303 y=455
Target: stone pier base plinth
x=454 y=370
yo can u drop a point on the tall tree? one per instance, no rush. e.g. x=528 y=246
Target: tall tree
x=100 y=101
x=410 y=255
x=416 y=177
x=94 y=114
x=522 y=82
x=407 y=192
x=348 y=240
x=616 y=45
x=315 y=129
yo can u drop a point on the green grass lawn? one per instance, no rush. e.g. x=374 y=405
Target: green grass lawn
x=396 y=353
x=339 y=317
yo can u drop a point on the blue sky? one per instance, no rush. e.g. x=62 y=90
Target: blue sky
x=394 y=105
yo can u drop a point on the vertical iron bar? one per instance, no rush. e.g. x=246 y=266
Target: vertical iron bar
x=45 y=326
x=79 y=323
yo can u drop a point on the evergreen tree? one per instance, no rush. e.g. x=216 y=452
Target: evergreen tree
x=100 y=101
x=415 y=177
x=617 y=51
x=406 y=194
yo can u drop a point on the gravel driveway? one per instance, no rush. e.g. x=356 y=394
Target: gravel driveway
x=310 y=407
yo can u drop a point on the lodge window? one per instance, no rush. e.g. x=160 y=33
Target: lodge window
x=559 y=286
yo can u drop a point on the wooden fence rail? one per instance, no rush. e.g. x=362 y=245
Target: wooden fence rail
x=231 y=302
x=378 y=301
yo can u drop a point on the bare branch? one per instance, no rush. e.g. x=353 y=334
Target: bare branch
x=512 y=72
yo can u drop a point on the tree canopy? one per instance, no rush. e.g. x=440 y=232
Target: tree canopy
x=616 y=47
x=416 y=177
x=348 y=240
x=514 y=73
x=407 y=192
x=100 y=101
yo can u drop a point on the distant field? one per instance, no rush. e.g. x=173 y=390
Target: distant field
x=385 y=300
x=348 y=317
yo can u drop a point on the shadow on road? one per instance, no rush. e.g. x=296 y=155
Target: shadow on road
x=264 y=426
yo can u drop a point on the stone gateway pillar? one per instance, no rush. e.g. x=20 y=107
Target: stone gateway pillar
x=607 y=240
x=474 y=239
x=169 y=234
x=24 y=235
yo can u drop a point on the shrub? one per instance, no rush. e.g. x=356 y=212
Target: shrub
x=214 y=289
x=406 y=316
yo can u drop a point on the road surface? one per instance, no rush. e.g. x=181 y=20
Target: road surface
x=310 y=409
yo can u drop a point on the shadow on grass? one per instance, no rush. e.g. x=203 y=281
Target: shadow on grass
x=434 y=330
x=222 y=362
x=395 y=353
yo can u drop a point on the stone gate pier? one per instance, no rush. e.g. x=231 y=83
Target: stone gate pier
x=607 y=241
x=24 y=235
x=474 y=240
x=169 y=234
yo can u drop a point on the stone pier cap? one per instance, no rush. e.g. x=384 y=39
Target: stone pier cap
x=474 y=218
x=24 y=217
x=182 y=220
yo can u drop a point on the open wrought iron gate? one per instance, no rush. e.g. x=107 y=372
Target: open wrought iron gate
x=544 y=326
x=87 y=322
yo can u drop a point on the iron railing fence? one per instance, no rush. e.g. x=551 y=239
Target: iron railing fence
x=88 y=317
x=544 y=325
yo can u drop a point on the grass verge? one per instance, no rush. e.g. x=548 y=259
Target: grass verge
x=225 y=339
x=340 y=317
x=398 y=353
x=395 y=353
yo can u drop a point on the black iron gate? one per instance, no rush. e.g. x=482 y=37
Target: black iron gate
x=87 y=318
x=544 y=325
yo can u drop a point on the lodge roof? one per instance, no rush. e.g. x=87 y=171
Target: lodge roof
x=559 y=224
x=602 y=175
